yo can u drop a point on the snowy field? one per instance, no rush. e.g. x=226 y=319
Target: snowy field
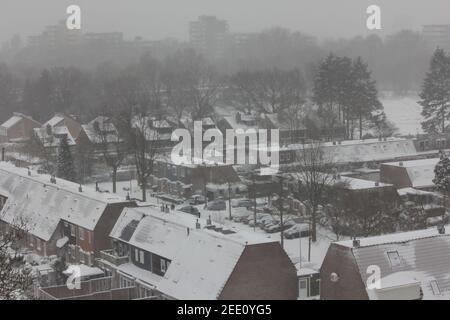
x=404 y=112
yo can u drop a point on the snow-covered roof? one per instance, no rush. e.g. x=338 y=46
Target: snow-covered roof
x=54 y=121
x=406 y=191
x=202 y=260
x=426 y=253
x=349 y=151
x=420 y=172
x=53 y=139
x=41 y=204
x=274 y=118
x=349 y=183
x=11 y=121
x=248 y=121
x=109 y=133
x=147 y=126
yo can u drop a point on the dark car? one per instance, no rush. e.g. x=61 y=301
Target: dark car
x=217 y=205
x=191 y=210
x=242 y=203
x=197 y=199
x=297 y=231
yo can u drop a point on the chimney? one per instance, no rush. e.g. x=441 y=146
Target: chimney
x=80 y=188
x=400 y=163
x=53 y=179
x=128 y=196
x=187 y=230
x=356 y=243
x=96 y=186
x=377 y=183
x=29 y=172
x=208 y=221
x=197 y=225
x=441 y=229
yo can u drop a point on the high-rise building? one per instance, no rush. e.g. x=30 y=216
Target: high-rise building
x=55 y=36
x=437 y=35
x=209 y=35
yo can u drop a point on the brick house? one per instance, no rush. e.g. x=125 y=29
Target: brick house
x=415 y=173
x=410 y=265
x=18 y=128
x=187 y=179
x=59 y=217
x=175 y=256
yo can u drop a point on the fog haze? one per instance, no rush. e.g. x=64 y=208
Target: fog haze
x=156 y=19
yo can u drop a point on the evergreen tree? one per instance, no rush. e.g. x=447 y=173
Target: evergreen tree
x=332 y=89
x=364 y=98
x=345 y=93
x=442 y=174
x=435 y=95
x=442 y=177
x=65 y=164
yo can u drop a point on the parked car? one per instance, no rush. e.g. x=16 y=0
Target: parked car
x=251 y=217
x=217 y=205
x=296 y=231
x=191 y=210
x=197 y=199
x=242 y=203
x=265 y=220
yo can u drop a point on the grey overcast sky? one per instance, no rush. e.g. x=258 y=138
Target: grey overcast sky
x=156 y=19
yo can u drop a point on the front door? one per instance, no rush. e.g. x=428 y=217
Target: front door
x=303 y=289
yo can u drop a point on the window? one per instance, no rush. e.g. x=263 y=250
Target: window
x=141 y=257
x=136 y=255
x=435 y=287
x=394 y=258
x=72 y=230
x=38 y=244
x=303 y=284
x=164 y=265
x=81 y=232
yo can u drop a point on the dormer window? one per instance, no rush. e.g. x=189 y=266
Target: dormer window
x=394 y=259
x=435 y=287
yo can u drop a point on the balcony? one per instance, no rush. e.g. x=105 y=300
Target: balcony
x=112 y=257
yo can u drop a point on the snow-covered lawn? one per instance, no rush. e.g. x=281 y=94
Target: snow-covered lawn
x=404 y=112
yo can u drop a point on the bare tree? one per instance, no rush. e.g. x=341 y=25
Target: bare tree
x=144 y=144
x=335 y=211
x=111 y=146
x=315 y=171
